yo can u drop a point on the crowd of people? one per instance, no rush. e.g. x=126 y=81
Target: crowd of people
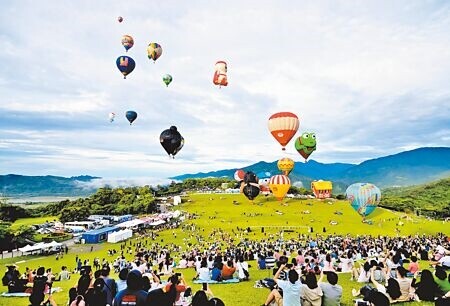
x=306 y=270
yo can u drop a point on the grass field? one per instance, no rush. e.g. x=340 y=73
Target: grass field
x=30 y=221
x=218 y=211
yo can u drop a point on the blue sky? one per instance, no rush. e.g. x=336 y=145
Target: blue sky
x=371 y=78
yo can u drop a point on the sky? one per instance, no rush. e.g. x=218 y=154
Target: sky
x=370 y=78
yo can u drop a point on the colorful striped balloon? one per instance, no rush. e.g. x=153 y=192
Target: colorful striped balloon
x=279 y=185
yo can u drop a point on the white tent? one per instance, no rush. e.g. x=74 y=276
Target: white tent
x=176 y=200
x=26 y=248
x=120 y=235
x=53 y=244
x=157 y=222
x=131 y=223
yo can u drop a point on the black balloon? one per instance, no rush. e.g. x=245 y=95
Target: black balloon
x=171 y=140
x=251 y=190
x=250 y=177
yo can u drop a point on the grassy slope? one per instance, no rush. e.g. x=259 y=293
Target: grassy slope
x=229 y=216
x=432 y=196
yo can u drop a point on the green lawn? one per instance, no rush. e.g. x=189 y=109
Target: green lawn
x=30 y=221
x=220 y=212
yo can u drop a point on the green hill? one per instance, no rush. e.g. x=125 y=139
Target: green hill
x=230 y=214
x=431 y=199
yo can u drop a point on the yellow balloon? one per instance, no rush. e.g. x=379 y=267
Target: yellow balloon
x=285 y=165
x=279 y=185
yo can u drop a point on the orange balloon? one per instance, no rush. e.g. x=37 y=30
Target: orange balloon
x=283 y=127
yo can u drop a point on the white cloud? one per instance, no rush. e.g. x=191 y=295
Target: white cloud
x=355 y=73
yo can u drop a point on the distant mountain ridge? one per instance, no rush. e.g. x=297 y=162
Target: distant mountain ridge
x=402 y=169
x=13 y=185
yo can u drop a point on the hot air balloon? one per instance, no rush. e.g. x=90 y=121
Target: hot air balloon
x=239 y=175
x=364 y=197
x=250 y=177
x=306 y=144
x=279 y=185
x=111 y=117
x=167 y=79
x=283 y=127
x=264 y=185
x=125 y=64
x=154 y=51
x=120 y=19
x=251 y=190
x=127 y=42
x=172 y=141
x=285 y=165
x=220 y=74
x=131 y=116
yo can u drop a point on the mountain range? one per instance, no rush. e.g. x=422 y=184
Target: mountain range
x=14 y=185
x=403 y=169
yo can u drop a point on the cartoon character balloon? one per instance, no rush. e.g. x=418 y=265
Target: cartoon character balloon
x=126 y=65
x=131 y=116
x=283 y=127
x=154 y=51
x=120 y=19
x=264 y=185
x=285 y=165
x=364 y=197
x=279 y=185
x=239 y=175
x=167 y=79
x=127 y=42
x=172 y=141
x=220 y=74
x=111 y=117
x=306 y=144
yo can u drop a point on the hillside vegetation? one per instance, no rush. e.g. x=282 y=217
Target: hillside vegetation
x=431 y=199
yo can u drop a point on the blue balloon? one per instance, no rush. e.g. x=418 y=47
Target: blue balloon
x=262 y=175
x=125 y=64
x=131 y=116
x=364 y=197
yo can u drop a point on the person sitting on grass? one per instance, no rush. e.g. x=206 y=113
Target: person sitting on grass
x=175 y=287
x=64 y=274
x=374 y=298
x=413 y=266
x=216 y=272
x=133 y=293
x=362 y=275
x=441 y=279
x=328 y=264
x=203 y=272
x=332 y=292
x=311 y=293
x=405 y=285
x=122 y=281
x=228 y=270
x=427 y=289
x=242 y=268
x=391 y=291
